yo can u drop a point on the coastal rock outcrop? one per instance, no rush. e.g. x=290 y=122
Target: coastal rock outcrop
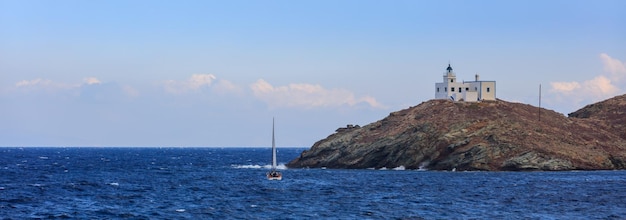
x=488 y=135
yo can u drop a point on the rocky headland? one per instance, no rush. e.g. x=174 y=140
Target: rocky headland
x=489 y=135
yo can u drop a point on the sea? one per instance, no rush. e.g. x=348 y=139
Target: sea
x=230 y=183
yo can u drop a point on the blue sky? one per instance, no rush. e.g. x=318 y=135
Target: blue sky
x=214 y=73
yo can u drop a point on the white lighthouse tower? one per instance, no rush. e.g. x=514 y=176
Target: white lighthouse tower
x=469 y=91
x=449 y=75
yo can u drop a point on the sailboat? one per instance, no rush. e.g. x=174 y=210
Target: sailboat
x=274 y=174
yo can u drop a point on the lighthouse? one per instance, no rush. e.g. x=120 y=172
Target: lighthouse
x=468 y=91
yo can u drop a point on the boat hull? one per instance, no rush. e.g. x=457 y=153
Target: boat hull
x=274 y=175
x=274 y=178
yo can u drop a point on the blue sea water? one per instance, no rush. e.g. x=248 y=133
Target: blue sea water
x=230 y=183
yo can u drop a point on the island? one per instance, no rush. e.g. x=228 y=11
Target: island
x=487 y=135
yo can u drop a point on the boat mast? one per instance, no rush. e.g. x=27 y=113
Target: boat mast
x=273 y=147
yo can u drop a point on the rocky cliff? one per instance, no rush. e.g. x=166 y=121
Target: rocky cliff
x=490 y=135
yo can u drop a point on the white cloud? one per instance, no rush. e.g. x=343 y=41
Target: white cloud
x=307 y=96
x=593 y=90
x=597 y=88
x=33 y=82
x=565 y=87
x=48 y=86
x=195 y=82
x=198 y=80
x=225 y=86
x=600 y=87
x=91 y=80
x=615 y=67
x=42 y=83
x=371 y=101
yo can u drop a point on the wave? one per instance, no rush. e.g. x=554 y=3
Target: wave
x=424 y=165
x=246 y=166
x=400 y=168
x=256 y=166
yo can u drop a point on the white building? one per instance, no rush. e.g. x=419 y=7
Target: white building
x=469 y=91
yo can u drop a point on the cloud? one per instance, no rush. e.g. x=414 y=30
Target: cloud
x=601 y=87
x=565 y=87
x=198 y=80
x=593 y=90
x=91 y=80
x=615 y=67
x=42 y=83
x=307 y=96
x=225 y=86
x=47 y=83
x=84 y=88
x=130 y=91
x=194 y=83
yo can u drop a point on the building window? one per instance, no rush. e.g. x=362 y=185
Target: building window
x=487 y=89
x=452 y=89
x=467 y=89
x=460 y=90
x=475 y=88
x=437 y=89
x=452 y=80
x=445 y=89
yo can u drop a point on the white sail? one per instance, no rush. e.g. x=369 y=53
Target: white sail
x=274 y=174
x=273 y=147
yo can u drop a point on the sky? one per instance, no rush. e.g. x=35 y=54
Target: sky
x=215 y=73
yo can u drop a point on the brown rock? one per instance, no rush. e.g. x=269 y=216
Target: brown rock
x=490 y=135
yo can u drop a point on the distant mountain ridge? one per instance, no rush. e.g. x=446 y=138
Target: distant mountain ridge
x=489 y=135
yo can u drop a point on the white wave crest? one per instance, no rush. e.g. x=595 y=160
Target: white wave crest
x=280 y=167
x=256 y=166
x=400 y=168
x=424 y=165
x=236 y=166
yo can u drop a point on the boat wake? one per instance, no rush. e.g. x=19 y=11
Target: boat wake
x=254 y=166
